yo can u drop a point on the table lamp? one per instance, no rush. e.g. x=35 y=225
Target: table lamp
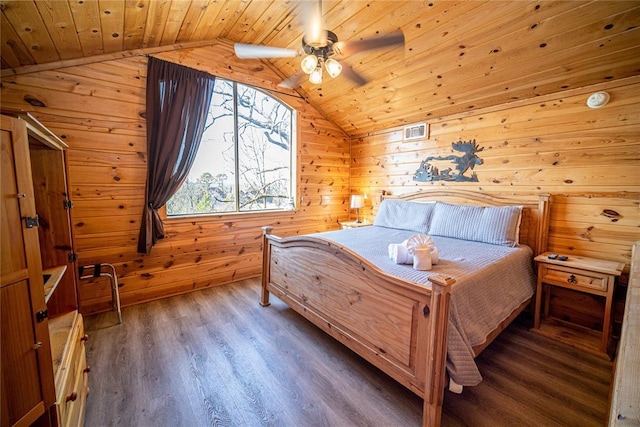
x=357 y=202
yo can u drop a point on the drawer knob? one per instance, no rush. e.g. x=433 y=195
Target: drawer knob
x=72 y=397
x=572 y=279
x=87 y=369
x=84 y=337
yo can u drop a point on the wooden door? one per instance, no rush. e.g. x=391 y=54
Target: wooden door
x=26 y=366
x=56 y=244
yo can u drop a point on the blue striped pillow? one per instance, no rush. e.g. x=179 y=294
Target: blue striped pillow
x=404 y=215
x=488 y=224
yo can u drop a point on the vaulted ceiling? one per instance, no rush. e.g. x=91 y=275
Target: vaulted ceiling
x=458 y=55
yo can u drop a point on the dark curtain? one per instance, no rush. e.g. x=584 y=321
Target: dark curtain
x=177 y=103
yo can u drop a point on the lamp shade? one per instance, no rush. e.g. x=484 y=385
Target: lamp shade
x=333 y=67
x=357 y=201
x=309 y=63
x=316 y=76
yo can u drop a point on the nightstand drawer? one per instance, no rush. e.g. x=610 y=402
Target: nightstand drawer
x=569 y=277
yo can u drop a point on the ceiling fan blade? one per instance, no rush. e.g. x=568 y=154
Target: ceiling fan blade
x=355 y=46
x=292 y=82
x=353 y=75
x=314 y=32
x=247 y=51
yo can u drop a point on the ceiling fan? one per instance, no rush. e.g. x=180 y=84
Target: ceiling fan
x=319 y=48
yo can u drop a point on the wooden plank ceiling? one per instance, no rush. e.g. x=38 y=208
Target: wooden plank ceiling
x=458 y=55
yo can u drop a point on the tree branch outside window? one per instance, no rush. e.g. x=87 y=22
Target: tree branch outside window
x=245 y=159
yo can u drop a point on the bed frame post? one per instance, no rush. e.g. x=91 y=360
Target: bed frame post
x=544 y=213
x=266 y=264
x=437 y=357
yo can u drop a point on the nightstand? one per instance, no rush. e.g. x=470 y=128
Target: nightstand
x=582 y=274
x=353 y=224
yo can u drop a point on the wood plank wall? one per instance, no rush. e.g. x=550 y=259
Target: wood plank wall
x=587 y=159
x=98 y=110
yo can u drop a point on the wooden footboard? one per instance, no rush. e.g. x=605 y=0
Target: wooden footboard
x=398 y=326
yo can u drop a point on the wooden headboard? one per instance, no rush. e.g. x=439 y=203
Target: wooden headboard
x=535 y=210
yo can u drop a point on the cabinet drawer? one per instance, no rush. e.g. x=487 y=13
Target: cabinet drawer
x=74 y=411
x=73 y=363
x=78 y=352
x=575 y=278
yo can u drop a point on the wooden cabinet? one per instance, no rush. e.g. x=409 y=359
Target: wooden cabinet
x=27 y=372
x=43 y=364
x=582 y=274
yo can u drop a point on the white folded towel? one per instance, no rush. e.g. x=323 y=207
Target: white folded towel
x=422 y=240
x=435 y=256
x=419 y=240
x=402 y=253
x=399 y=253
x=422 y=258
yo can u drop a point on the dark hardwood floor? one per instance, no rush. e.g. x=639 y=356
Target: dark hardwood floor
x=216 y=357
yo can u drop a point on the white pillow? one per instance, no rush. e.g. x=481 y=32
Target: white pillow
x=404 y=215
x=487 y=224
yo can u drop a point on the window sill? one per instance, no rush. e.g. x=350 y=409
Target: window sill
x=226 y=216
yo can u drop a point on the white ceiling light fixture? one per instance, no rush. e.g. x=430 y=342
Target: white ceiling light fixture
x=319 y=52
x=319 y=47
x=334 y=68
x=316 y=75
x=312 y=65
x=309 y=64
x=598 y=99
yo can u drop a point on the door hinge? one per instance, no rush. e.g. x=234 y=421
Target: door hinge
x=32 y=221
x=73 y=257
x=41 y=315
x=68 y=204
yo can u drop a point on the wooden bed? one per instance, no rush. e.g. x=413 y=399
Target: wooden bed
x=341 y=293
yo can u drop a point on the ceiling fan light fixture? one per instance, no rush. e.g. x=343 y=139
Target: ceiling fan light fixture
x=316 y=75
x=318 y=48
x=309 y=63
x=334 y=68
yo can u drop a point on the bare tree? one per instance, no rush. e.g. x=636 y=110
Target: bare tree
x=261 y=125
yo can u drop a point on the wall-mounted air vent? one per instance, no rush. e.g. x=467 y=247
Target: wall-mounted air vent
x=415 y=131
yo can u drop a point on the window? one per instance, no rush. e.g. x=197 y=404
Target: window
x=245 y=160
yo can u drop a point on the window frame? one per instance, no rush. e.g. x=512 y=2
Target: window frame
x=294 y=170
